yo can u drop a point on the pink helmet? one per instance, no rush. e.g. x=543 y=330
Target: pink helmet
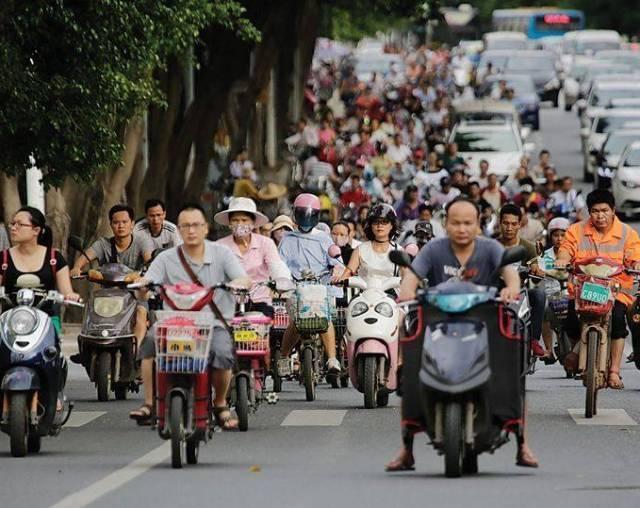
x=307 y=201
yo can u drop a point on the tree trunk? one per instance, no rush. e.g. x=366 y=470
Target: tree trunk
x=115 y=181
x=58 y=219
x=10 y=196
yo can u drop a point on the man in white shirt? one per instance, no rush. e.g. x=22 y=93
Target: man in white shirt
x=154 y=229
x=566 y=200
x=397 y=151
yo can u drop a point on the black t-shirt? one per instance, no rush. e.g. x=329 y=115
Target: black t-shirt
x=45 y=273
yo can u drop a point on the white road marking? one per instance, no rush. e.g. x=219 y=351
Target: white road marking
x=116 y=479
x=604 y=417
x=80 y=418
x=314 y=418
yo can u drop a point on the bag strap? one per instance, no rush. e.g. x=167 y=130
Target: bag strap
x=53 y=262
x=113 y=258
x=194 y=279
x=5 y=263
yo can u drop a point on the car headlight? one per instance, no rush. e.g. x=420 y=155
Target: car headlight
x=23 y=321
x=630 y=185
x=384 y=309
x=359 y=309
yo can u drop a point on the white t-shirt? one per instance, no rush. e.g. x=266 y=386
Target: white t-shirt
x=168 y=237
x=375 y=267
x=398 y=153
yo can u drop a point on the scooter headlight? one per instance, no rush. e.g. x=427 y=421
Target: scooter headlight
x=359 y=309
x=384 y=309
x=108 y=307
x=23 y=321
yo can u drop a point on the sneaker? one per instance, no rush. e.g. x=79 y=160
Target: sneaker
x=537 y=350
x=333 y=365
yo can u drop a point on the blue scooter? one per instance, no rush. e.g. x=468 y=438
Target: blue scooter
x=33 y=371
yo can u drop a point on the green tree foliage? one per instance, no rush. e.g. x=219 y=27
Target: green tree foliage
x=74 y=72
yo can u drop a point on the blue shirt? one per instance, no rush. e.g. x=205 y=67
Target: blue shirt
x=308 y=251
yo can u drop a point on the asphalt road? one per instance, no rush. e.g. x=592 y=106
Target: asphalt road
x=104 y=460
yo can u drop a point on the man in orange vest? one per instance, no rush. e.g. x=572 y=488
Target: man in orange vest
x=603 y=235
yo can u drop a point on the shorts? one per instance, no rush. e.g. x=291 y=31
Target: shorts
x=221 y=355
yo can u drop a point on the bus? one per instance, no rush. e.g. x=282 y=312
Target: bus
x=538 y=22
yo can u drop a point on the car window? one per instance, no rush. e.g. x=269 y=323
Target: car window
x=583 y=47
x=486 y=141
x=610 y=123
x=633 y=158
x=533 y=63
x=618 y=142
x=603 y=97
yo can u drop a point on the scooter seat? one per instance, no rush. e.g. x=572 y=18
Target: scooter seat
x=370 y=320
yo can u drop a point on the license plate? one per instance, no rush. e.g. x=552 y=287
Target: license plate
x=596 y=293
x=181 y=346
x=245 y=335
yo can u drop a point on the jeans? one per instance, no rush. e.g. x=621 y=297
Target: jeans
x=537 y=300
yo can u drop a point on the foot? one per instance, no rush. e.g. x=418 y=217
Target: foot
x=631 y=358
x=537 y=350
x=333 y=366
x=143 y=415
x=615 y=380
x=76 y=358
x=223 y=417
x=403 y=462
x=571 y=362
x=526 y=457
x=549 y=358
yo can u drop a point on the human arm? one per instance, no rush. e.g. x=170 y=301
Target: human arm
x=354 y=264
x=82 y=261
x=632 y=249
x=511 y=291
x=568 y=247
x=63 y=280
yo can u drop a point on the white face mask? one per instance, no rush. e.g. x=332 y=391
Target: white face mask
x=241 y=230
x=341 y=241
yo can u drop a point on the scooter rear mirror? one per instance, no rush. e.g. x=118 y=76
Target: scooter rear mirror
x=76 y=243
x=334 y=251
x=400 y=258
x=513 y=255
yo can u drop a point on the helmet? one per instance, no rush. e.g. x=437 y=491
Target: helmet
x=306 y=212
x=423 y=231
x=558 y=223
x=381 y=211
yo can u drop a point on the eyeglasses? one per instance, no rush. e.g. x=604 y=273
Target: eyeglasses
x=194 y=225
x=15 y=224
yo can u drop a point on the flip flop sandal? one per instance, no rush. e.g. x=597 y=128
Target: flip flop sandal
x=143 y=415
x=615 y=386
x=525 y=462
x=397 y=465
x=223 y=421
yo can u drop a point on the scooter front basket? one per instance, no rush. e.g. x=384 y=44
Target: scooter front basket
x=183 y=341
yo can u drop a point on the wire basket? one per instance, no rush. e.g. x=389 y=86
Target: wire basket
x=182 y=341
x=251 y=333
x=280 y=314
x=312 y=314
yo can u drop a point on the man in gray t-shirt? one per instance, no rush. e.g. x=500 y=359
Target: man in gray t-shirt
x=155 y=229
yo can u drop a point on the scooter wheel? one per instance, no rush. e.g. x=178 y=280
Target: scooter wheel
x=34 y=441
x=242 y=403
x=103 y=376
x=453 y=440
x=176 y=414
x=18 y=424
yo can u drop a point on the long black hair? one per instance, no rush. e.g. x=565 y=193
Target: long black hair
x=38 y=220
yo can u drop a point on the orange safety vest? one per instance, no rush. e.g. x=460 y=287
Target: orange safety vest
x=620 y=244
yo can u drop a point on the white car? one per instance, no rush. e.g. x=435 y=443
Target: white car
x=504 y=40
x=604 y=121
x=626 y=181
x=604 y=94
x=499 y=143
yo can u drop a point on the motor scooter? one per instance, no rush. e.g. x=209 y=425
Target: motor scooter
x=465 y=367
x=107 y=346
x=33 y=370
x=372 y=340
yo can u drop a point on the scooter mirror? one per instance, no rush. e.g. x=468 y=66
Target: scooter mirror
x=400 y=258
x=76 y=243
x=334 y=251
x=513 y=255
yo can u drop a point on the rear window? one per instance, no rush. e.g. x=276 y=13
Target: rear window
x=633 y=158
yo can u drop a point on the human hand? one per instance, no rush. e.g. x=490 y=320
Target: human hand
x=508 y=295
x=72 y=297
x=75 y=272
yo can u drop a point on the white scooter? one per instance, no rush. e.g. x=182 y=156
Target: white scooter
x=372 y=340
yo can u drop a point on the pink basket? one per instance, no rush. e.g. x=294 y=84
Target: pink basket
x=251 y=333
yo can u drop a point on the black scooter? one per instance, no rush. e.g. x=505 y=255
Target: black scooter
x=464 y=368
x=106 y=343
x=33 y=371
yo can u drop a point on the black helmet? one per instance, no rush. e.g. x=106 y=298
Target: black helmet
x=381 y=211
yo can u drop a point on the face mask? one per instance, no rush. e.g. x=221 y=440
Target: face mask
x=341 y=241
x=241 y=231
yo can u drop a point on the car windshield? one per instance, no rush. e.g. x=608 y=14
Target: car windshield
x=611 y=123
x=604 y=97
x=633 y=158
x=497 y=62
x=617 y=142
x=530 y=63
x=630 y=59
x=520 y=86
x=583 y=47
x=486 y=141
x=506 y=44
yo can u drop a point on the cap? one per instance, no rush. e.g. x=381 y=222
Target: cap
x=526 y=188
x=558 y=223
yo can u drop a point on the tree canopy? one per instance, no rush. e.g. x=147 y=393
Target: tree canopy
x=75 y=72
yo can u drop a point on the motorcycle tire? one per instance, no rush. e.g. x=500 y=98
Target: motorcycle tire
x=193 y=449
x=470 y=463
x=18 y=424
x=591 y=375
x=308 y=374
x=242 y=403
x=277 y=380
x=34 y=442
x=370 y=382
x=176 y=427
x=453 y=440
x=121 y=392
x=103 y=376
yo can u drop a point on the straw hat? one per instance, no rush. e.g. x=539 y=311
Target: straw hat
x=272 y=191
x=246 y=205
x=282 y=221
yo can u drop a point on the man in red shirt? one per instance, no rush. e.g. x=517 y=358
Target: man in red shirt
x=356 y=194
